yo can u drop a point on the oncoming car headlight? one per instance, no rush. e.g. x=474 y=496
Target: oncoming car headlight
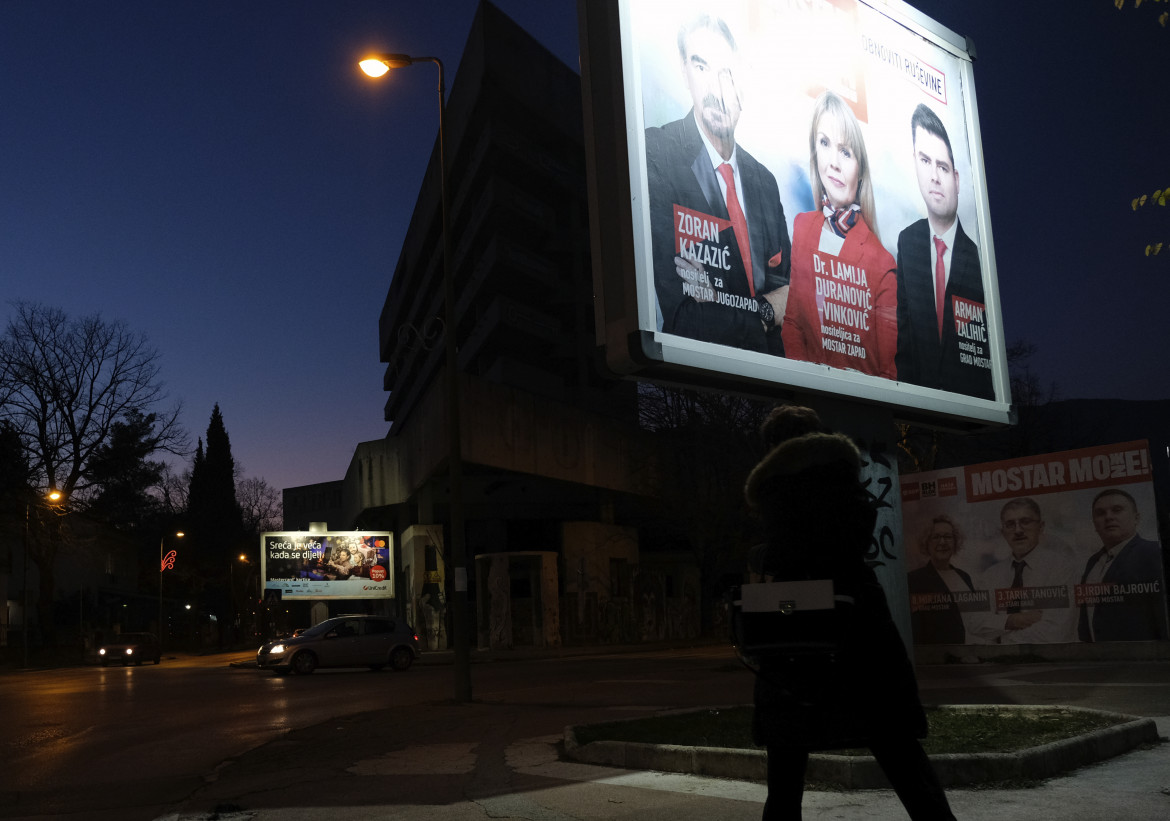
x=129 y=651
x=277 y=648
x=102 y=651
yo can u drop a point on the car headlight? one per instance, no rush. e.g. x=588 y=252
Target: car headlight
x=276 y=648
x=102 y=651
x=129 y=651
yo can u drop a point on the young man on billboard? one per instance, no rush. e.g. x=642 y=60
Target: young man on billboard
x=720 y=242
x=1125 y=600
x=1033 y=588
x=943 y=339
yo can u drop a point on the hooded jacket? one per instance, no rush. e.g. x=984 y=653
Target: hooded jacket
x=818 y=523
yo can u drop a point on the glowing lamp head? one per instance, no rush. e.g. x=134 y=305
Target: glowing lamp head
x=378 y=64
x=373 y=67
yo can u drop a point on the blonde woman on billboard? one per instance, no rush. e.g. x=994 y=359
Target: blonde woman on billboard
x=842 y=303
x=935 y=615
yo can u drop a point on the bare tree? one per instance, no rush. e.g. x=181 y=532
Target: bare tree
x=260 y=504
x=923 y=448
x=708 y=441
x=172 y=490
x=65 y=383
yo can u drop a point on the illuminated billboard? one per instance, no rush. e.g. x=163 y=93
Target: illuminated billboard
x=807 y=205
x=328 y=565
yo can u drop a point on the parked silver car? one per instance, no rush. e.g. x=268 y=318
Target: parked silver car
x=343 y=641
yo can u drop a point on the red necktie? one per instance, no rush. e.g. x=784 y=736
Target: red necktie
x=739 y=223
x=940 y=283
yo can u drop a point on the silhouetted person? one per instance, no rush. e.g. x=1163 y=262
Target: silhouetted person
x=818 y=521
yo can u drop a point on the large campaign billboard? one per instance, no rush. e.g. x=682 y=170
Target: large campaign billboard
x=807 y=203
x=1049 y=549
x=328 y=565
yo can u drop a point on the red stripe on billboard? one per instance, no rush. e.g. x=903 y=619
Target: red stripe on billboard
x=1107 y=466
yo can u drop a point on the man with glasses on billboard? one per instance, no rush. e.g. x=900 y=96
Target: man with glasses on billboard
x=942 y=320
x=1033 y=588
x=720 y=242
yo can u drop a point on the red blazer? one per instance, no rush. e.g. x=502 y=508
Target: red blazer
x=842 y=310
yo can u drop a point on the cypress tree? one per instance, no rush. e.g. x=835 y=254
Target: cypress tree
x=216 y=524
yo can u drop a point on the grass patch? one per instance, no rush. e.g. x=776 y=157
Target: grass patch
x=989 y=730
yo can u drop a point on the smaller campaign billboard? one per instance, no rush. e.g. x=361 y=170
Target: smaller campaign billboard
x=328 y=565
x=1049 y=549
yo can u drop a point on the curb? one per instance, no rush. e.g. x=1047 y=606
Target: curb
x=863 y=773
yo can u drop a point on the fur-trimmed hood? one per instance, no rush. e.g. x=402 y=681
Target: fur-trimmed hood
x=800 y=454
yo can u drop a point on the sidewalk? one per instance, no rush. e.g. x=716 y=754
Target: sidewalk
x=540 y=787
x=502 y=761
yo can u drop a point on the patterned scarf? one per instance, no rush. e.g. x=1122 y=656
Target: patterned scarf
x=840 y=219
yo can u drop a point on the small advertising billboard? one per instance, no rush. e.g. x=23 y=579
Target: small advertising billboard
x=328 y=565
x=1049 y=549
x=792 y=195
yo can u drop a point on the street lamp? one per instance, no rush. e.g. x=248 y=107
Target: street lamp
x=165 y=562
x=52 y=497
x=376 y=66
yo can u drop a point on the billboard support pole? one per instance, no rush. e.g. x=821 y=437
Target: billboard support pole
x=875 y=434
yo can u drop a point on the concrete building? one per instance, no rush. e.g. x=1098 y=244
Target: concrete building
x=555 y=467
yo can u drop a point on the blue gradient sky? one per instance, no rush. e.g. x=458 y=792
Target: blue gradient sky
x=219 y=175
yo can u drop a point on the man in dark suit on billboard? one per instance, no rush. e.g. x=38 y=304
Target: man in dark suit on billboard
x=943 y=339
x=1130 y=602
x=720 y=242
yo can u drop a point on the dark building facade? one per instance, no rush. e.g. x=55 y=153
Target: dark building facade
x=303 y=506
x=554 y=465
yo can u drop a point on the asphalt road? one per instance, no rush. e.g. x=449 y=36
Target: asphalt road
x=135 y=741
x=194 y=735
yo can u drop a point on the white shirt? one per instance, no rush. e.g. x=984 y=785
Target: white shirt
x=1045 y=568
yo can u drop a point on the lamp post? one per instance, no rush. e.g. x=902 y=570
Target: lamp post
x=165 y=562
x=376 y=66
x=243 y=559
x=52 y=496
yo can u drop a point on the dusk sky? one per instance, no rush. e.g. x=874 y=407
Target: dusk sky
x=219 y=175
